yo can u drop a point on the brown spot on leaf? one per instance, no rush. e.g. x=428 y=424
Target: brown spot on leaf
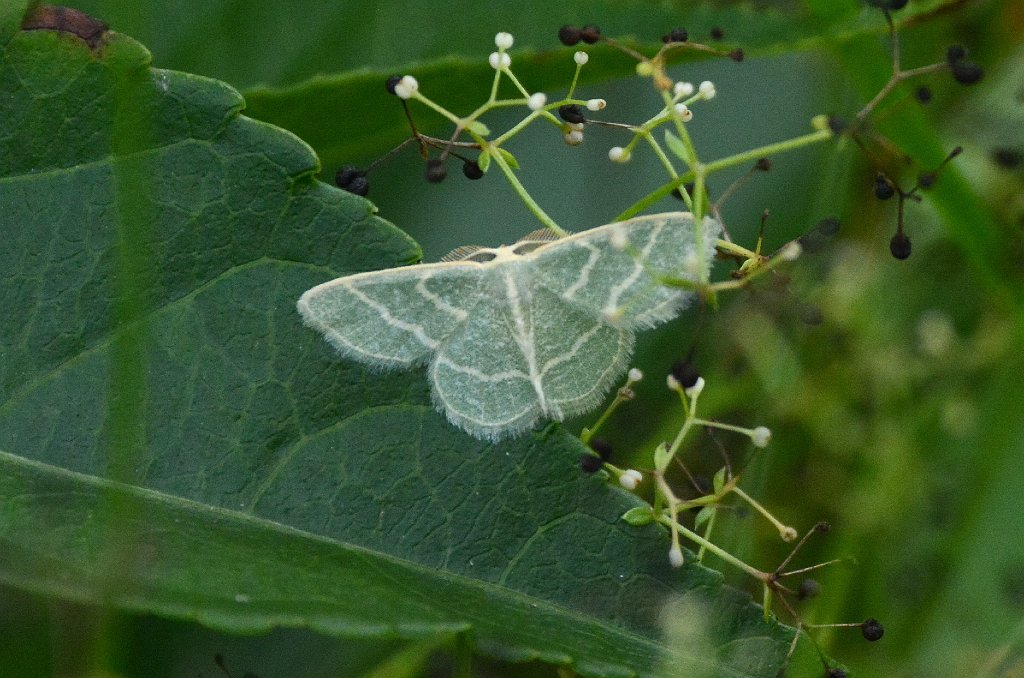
x=65 y=20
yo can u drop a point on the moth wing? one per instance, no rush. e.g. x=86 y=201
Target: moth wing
x=622 y=285
x=396 y=317
x=480 y=377
x=579 y=356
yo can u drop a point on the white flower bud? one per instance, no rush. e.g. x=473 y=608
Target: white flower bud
x=406 y=87
x=673 y=383
x=630 y=479
x=683 y=89
x=707 y=89
x=684 y=112
x=635 y=374
x=675 y=556
x=503 y=40
x=788 y=534
x=618 y=154
x=499 y=60
x=596 y=104
x=760 y=436
x=694 y=391
x=581 y=58
x=537 y=101
x=573 y=138
x=576 y=126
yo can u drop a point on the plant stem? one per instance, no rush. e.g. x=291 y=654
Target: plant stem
x=520 y=190
x=721 y=553
x=739 y=158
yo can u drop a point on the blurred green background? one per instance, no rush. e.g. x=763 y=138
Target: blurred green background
x=897 y=418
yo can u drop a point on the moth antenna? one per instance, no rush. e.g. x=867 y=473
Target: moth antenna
x=541 y=234
x=462 y=253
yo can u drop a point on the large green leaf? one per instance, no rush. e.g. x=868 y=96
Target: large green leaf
x=318 y=68
x=176 y=442
x=249 y=42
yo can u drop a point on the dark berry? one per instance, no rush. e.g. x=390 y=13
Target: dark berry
x=590 y=34
x=835 y=672
x=391 y=82
x=345 y=174
x=836 y=124
x=812 y=242
x=676 y=35
x=967 y=73
x=923 y=94
x=590 y=463
x=955 y=54
x=872 y=630
x=1007 y=158
x=900 y=246
x=763 y=165
x=569 y=35
x=896 y=5
x=809 y=588
x=823 y=527
x=436 y=170
x=358 y=186
x=883 y=189
x=602 y=447
x=685 y=373
x=828 y=226
x=571 y=113
x=736 y=55
x=811 y=315
x=472 y=170
x=717 y=33
x=927 y=179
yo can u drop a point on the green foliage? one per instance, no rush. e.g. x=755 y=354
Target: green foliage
x=176 y=442
x=157 y=242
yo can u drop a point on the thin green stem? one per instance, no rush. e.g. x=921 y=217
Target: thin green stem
x=589 y=432
x=769 y=149
x=494 y=86
x=729 y=246
x=575 y=79
x=681 y=130
x=662 y=156
x=439 y=109
x=783 y=529
x=515 y=81
x=725 y=427
x=766 y=600
x=707 y=535
x=520 y=126
x=520 y=190
x=718 y=551
x=740 y=158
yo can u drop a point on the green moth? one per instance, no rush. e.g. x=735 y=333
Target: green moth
x=514 y=334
